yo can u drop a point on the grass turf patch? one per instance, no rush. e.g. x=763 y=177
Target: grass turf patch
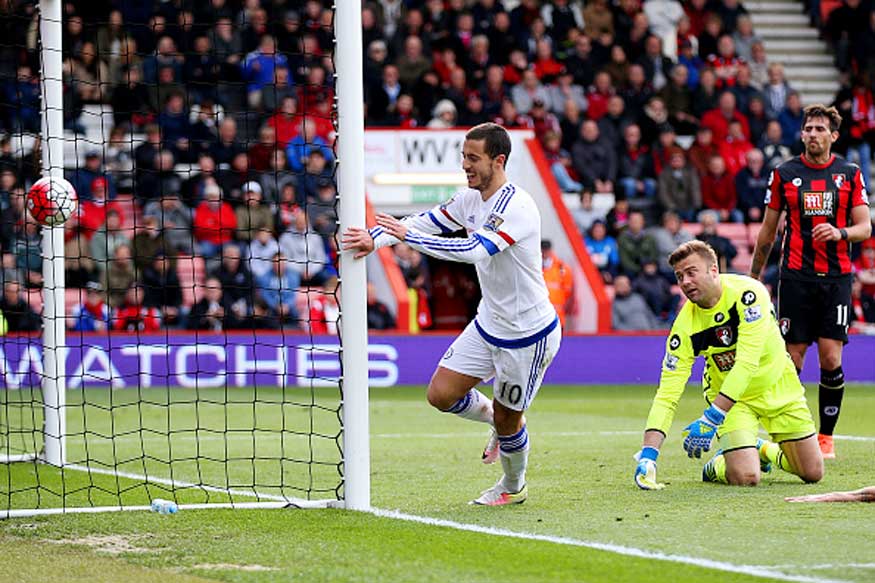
x=580 y=484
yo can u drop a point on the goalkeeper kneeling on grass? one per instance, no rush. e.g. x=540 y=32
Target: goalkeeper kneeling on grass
x=749 y=380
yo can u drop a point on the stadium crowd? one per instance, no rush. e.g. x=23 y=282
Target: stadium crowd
x=219 y=163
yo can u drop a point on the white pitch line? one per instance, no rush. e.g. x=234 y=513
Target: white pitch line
x=854 y=437
x=824 y=566
x=752 y=570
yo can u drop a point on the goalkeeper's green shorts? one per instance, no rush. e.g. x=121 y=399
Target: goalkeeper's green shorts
x=782 y=411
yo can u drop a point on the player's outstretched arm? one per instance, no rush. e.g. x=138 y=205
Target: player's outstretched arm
x=861 y=495
x=468 y=250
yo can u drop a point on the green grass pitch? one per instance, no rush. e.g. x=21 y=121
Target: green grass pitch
x=427 y=464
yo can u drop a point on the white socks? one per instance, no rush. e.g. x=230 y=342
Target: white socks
x=474 y=406
x=514 y=459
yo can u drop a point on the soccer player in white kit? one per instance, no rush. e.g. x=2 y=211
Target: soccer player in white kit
x=516 y=332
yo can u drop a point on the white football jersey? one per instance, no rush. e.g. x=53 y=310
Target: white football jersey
x=503 y=243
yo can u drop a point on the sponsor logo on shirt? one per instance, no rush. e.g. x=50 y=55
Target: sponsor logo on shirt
x=748 y=297
x=719 y=317
x=818 y=204
x=675 y=342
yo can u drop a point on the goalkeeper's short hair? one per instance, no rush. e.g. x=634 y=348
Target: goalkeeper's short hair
x=694 y=247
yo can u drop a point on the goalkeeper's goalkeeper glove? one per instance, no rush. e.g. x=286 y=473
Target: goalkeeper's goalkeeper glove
x=645 y=471
x=699 y=434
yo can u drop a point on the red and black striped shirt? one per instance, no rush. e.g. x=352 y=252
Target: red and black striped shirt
x=813 y=194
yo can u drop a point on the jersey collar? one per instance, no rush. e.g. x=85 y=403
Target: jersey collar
x=817 y=166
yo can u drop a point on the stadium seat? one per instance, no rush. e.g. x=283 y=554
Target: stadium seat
x=693 y=228
x=191 y=272
x=753 y=231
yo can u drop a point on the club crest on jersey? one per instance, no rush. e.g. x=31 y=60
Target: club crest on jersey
x=724 y=335
x=838 y=180
x=784 y=325
x=493 y=222
x=817 y=204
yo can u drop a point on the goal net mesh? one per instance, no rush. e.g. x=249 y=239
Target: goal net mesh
x=201 y=313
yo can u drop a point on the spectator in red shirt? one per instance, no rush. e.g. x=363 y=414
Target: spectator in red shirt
x=92 y=213
x=132 y=316
x=546 y=67
x=598 y=96
x=285 y=121
x=261 y=152
x=734 y=149
x=718 y=119
x=214 y=222
x=725 y=63
x=718 y=191
x=864 y=267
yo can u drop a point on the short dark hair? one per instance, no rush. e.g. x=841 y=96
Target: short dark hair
x=820 y=110
x=694 y=247
x=496 y=138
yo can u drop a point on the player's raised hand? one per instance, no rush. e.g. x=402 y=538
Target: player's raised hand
x=358 y=240
x=392 y=226
x=699 y=434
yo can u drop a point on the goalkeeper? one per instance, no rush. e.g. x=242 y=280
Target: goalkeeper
x=749 y=380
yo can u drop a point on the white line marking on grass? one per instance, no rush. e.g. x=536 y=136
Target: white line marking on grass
x=854 y=437
x=752 y=570
x=824 y=566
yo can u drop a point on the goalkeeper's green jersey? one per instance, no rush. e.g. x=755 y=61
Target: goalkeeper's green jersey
x=744 y=352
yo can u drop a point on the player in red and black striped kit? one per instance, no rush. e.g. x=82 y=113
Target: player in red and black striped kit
x=824 y=198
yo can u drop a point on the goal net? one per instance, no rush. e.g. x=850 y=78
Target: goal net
x=180 y=335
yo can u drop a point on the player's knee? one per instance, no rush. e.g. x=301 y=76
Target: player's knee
x=507 y=421
x=438 y=398
x=812 y=474
x=499 y=415
x=742 y=477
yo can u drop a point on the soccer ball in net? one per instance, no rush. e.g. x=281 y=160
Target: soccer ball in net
x=51 y=201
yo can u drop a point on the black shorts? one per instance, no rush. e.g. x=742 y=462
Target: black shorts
x=808 y=310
